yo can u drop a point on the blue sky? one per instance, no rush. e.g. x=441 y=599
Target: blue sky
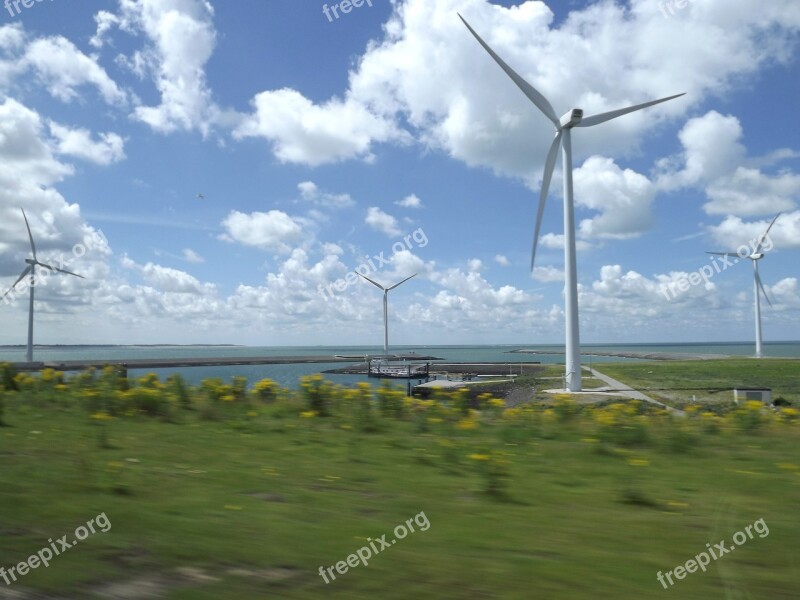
x=315 y=143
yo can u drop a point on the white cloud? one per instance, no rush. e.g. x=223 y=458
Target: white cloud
x=303 y=132
x=628 y=297
x=191 y=256
x=548 y=274
x=27 y=161
x=749 y=192
x=501 y=260
x=712 y=148
x=308 y=189
x=555 y=241
x=79 y=143
x=624 y=199
x=29 y=170
x=475 y=265
x=334 y=249
x=715 y=159
x=273 y=230
x=381 y=221
x=181 y=39
x=733 y=232
x=106 y=21
x=311 y=192
x=411 y=201
x=785 y=294
x=482 y=119
x=63 y=69
x=166 y=279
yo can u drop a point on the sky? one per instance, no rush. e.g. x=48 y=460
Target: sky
x=218 y=171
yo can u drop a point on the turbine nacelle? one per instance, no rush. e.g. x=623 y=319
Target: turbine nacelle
x=756 y=256
x=571 y=119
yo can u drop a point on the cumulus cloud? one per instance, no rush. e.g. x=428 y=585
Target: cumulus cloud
x=180 y=38
x=381 y=221
x=548 y=274
x=733 y=232
x=105 y=21
x=555 y=241
x=78 y=142
x=715 y=159
x=166 y=279
x=311 y=192
x=749 y=192
x=411 y=201
x=623 y=197
x=501 y=260
x=303 y=132
x=273 y=230
x=63 y=69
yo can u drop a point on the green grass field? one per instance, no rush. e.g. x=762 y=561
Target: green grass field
x=710 y=381
x=220 y=492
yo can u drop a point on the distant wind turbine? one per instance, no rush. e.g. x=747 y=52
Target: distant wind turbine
x=755 y=256
x=31 y=269
x=385 y=306
x=563 y=139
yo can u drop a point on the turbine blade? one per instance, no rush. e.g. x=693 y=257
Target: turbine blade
x=69 y=273
x=401 y=283
x=764 y=236
x=761 y=287
x=724 y=253
x=531 y=92
x=30 y=235
x=377 y=285
x=547 y=176
x=41 y=264
x=21 y=277
x=607 y=116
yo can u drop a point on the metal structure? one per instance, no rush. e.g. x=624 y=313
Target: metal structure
x=563 y=140
x=755 y=256
x=31 y=270
x=385 y=306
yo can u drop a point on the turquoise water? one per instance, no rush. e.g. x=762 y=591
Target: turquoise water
x=288 y=375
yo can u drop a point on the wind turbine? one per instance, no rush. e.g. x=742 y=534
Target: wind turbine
x=31 y=269
x=385 y=306
x=755 y=256
x=563 y=139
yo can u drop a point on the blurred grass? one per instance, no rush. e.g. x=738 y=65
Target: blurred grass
x=594 y=502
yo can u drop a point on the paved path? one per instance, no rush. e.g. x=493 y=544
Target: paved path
x=628 y=391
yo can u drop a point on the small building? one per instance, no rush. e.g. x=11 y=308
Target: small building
x=760 y=394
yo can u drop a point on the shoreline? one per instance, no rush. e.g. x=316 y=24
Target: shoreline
x=638 y=355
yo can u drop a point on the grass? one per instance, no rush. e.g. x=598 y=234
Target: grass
x=711 y=381
x=225 y=495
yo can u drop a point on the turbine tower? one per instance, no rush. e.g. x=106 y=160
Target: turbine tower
x=31 y=269
x=385 y=306
x=755 y=256
x=563 y=139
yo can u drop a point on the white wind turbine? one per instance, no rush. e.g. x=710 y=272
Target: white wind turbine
x=755 y=256
x=31 y=269
x=385 y=306
x=563 y=139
